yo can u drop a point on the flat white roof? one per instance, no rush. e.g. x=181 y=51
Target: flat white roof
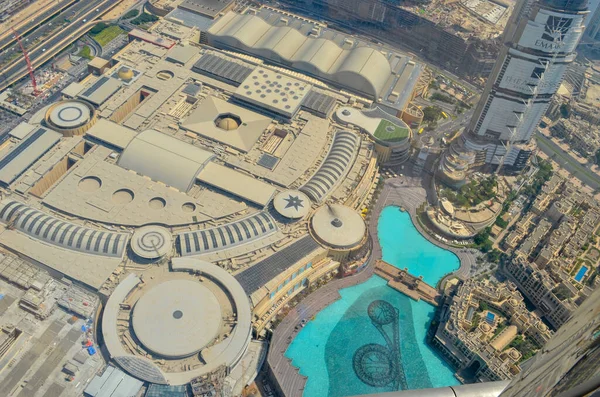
x=274 y=91
x=99 y=204
x=21 y=130
x=27 y=152
x=111 y=133
x=91 y=270
x=181 y=54
x=186 y=309
x=72 y=89
x=100 y=90
x=237 y=183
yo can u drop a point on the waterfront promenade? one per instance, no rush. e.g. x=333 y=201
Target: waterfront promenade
x=404 y=192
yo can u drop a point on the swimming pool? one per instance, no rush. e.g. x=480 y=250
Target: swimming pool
x=373 y=339
x=582 y=271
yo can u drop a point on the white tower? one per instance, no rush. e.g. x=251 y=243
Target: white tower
x=539 y=43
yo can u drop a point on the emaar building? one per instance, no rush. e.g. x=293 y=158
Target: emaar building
x=540 y=42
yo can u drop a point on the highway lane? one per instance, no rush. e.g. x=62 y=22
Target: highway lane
x=7 y=37
x=35 y=38
x=57 y=42
x=567 y=162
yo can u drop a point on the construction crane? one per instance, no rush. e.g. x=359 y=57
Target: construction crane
x=36 y=92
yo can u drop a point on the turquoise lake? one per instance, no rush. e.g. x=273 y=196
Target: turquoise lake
x=373 y=339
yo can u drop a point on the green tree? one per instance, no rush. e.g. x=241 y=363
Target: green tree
x=436 y=96
x=99 y=27
x=131 y=14
x=597 y=156
x=565 y=110
x=144 y=18
x=494 y=256
x=432 y=114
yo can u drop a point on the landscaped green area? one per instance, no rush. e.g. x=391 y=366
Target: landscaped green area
x=144 y=19
x=432 y=114
x=593 y=254
x=108 y=34
x=562 y=292
x=473 y=193
x=437 y=96
x=131 y=14
x=390 y=132
x=539 y=179
x=526 y=346
x=99 y=27
x=85 y=52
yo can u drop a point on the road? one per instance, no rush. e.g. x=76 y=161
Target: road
x=57 y=42
x=566 y=161
x=35 y=37
x=460 y=121
x=7 y=37
x=446 y=129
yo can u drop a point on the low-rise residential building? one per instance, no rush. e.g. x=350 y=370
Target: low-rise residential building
x=537 y=285
x=581 y=135
x=479 y=323
x=554 y=250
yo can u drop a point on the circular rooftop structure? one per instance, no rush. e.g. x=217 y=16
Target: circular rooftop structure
x=228 y=124
x=151 y=242
x=292 y=204
x=71 y=117
x=177 y=324
x=338 y=226
x=126 y=73
x=177 y=318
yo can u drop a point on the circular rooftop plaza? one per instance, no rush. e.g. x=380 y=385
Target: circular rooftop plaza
x=292 y=204
x=338 y=226
x=151 y=242
x=177 y=325
x=177 y=318
x=71 y=117
x=70 y=114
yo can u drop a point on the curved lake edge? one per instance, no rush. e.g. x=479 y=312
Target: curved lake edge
x=285 y=375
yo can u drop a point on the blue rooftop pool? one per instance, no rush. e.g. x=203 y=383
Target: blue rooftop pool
x=582 y=271
x=373 y=339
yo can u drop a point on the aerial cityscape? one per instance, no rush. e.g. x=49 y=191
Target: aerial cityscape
x=299 y=198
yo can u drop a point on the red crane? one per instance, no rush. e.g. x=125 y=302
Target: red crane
x=36 y=92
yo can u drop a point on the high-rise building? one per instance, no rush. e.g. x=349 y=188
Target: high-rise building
x=592 y=29
x=539 y=43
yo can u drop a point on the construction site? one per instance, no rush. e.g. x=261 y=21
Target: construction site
x=459 y=36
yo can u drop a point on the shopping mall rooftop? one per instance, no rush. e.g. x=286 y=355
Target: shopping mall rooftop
x=191 y=173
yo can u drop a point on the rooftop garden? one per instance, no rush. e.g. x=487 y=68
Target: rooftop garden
x=104 y=34
x=390 y=132
x=473 y=193
x=526 y=346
